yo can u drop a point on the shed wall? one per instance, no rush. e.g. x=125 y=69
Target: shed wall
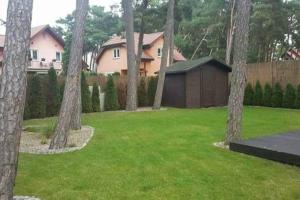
x=174 y=91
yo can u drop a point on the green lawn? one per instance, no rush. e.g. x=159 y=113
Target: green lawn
x=163 y=155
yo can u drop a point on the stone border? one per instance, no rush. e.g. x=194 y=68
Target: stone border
x=25 y=198
x=65 y=150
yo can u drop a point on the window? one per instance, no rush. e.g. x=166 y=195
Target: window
x=116 y=53
x=33 y=54
x=58 y=56
x=159 y=52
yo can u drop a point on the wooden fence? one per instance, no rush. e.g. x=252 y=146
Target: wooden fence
x=283 y=72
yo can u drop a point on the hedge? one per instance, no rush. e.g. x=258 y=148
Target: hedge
x=289 y=97
x=95 y=98
x=267 y=98
x=111 y=98
x=277 y=96
x=258 y=94
x=249 y=95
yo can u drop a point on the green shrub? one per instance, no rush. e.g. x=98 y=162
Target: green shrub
x=53 y=95
x=111 y=98
x=61 y=91
x=277 y=96
x=36 y=99
x=86 y=100
x=249 y=95
x=142 y=93
x=151 y=90
x=267 y=99
x=95 y=98
x=121 y=86
x=26 y=108
x=297 y=101
x=258 y=94
x=289 y=97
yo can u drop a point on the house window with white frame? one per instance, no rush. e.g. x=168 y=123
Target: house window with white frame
x=159 y=52
x=33 y=54
x=58 y=56
x=116 y=53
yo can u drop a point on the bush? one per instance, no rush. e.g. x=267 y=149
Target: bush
x=95 y=98
x=111 y=98
x=289 y=97
x=267 y=99
x=53 y=95
x=151 y=90
x=121 y=92
x=297 y=101
x=249 y=95
x=277 y=96
x=142 y=93
x=86 y=100
x=36 y=99
x=258 y=94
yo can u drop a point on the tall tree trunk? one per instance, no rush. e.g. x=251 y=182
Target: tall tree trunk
x=131 y=100
x=165 y=55
x=13 y=91
x=238 y=78
x=171 y=54
x=71 y=93
x=77 y=110
x=230 y=33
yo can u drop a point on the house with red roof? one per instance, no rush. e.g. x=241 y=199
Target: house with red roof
x=112 y=56
x=46 y=48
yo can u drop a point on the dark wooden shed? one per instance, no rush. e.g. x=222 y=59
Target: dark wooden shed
x=196 y=83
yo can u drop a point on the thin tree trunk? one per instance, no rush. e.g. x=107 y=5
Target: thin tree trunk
x=171 y=56
x=72 y=83
x=230 y=33
x=165 y=55
x=201 y=42
x=13 y=91
x=238 y=78
x=131 y=100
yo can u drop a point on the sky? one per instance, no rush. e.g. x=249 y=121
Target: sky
x=48 y=11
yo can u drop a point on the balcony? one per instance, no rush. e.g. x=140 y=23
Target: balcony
x=42 y=67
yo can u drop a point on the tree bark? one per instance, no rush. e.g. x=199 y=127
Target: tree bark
x=13 y=91
x=131 y=100
x=230 y=33
x=165 y=55
x=171 y=56
x=238 y=78
x=73 y=78
x=76 y=117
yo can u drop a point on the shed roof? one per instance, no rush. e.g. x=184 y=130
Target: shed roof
x=185 y=66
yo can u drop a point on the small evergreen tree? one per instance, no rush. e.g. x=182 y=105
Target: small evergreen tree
x=151 y=90
x=86 y=100
x=36 y=99
x=249 y=95
x=258 y=94
x=95 y=98
x=267 y=99
x=277 y=96
x=53 y=95
x=289 y=97
x=142 y=93
x=297 y=101
x=111 y=98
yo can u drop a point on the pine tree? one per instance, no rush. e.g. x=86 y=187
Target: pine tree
x=297 y=101
x=95 y=98
x=267 y=99
x=151 y=90
x=277 y=96
x=85 y=95
x=111 y=98
x=258 y=94
x=142 y=93
x=249 y=95
x=53 y=95
x=289 y=97
x=36 y=99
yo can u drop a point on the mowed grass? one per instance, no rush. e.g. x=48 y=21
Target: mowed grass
x=163 y=155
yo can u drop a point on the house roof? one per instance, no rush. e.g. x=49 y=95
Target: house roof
x=185 y=66
x=35 y=31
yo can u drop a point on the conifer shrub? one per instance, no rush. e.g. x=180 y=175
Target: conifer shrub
x=95 y=98
x=258 y=94
x=277 y=96
x=86 y=100
x=249 y=95
x=53 y=95
x=36 y=98
x=121 y=86
x=297 y=101
x=267 y=98
x=142 y=93
x=152 y=84
x=289 y=97
x=111 y=97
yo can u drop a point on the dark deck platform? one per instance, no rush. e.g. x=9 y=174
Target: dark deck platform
x=283 y=148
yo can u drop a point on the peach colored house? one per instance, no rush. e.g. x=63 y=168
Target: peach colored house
x=46 y=49
x=113 y=55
